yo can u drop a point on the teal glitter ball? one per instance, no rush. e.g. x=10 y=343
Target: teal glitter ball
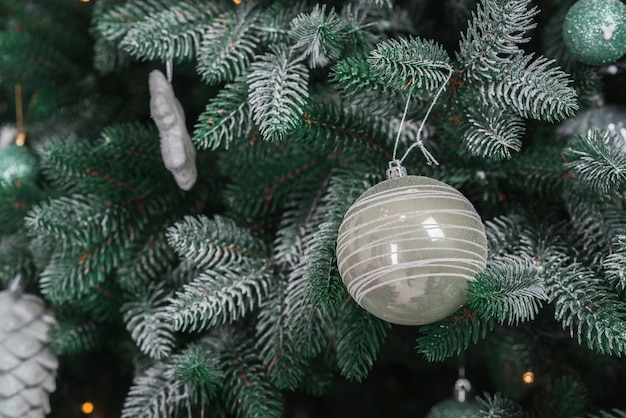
x=452 y=408
x=594 y=31
x=17 y=163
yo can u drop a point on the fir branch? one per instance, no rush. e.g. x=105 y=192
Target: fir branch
x=196 y=371
x=308 y=325
x=17 y=257
x=322 y=274
x=319 y=377
x=326 y=288
x=87 y=243
x=228 y=48
x=497 y=406
x=65 y=171
x=122 y=165
x=220 y=296
x=16 y=199
x=331 y=126
x=585 y=305
x=354 y=75
x=303 y=327
x=509 y=291
x=493 y=133
x=410 y=65
x=68 y=338
x=614 y=413
x=152 y=394
x=534 y=89
x=248 y=393
x=614 y=265
x=277 y=93
x=291 y=328
x=147 y=322
x=452 y=335
x=565 y=396
x=320 y=35
x=596 y=223
x=361 y=19
x=378 y=3
x=494 y=33
x=102 y=303
x=538 y=170
x=113 y=23
x=64 y=220
x=107 y=58
x=359 y=337
x=225 y=118
x=159 y=29
x=502 y=233
x=32 y=60
x=598 y=160
x=285 y=366
x=145 y=260
x=274 y=22
x=218 y=242
x=276 y=178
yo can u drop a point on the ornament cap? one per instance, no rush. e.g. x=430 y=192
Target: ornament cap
x=462 y=388
x=395 y=170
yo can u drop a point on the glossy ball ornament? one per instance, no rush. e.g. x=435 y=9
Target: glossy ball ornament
x=407 y=248
x=17 y=163
x=594 y=31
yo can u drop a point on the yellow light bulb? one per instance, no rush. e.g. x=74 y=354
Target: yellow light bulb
x=20 y=138
x=237 y=1
x=85 y=1
x=87 y=408
x=528 y=377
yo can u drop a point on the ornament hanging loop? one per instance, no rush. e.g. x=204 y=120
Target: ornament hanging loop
x=169 y=67
x=15 y=287
x=418 y=143
x=395 y=169
x=462 y=388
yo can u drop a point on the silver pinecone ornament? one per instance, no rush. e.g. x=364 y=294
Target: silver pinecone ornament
x=27 y=365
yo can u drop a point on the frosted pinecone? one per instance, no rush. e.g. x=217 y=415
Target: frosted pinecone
x=27 y=365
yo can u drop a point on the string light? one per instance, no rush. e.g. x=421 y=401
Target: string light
x=20 y=138
x=87 y=408
x=237 y=1
x=85 y=1
x=528 y=377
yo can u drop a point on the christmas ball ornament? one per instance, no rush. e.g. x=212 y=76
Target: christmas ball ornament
x=461 y=406
x=17 y=163
x=27 y=365
x=610 y=117
x=594 y=31
x=451 y=408
x=407 y=248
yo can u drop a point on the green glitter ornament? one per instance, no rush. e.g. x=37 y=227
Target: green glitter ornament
x=461 y=406
x=610 y=117
x=451 y=408
x=594 y=31
x=17 y=163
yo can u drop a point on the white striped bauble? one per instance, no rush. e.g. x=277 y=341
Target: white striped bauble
x=407 y=248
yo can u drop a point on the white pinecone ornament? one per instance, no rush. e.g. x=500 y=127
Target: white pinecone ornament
x=27 y=364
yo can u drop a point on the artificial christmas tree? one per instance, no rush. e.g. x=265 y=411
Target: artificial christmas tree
x=223 y=297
